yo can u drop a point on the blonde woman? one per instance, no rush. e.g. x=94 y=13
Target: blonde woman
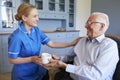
x=25 y=45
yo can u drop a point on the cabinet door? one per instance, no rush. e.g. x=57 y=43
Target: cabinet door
x=70 y=36
x=71 y=13
x=61 y=6
x=0 y=54
x=24 y=1
x=58 y=6
x=18 y=2
x=59 y=37
x=41 y=5
x=5 y=65
x=7 y=23
x=51 y=5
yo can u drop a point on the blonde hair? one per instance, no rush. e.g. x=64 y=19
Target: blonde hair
x=23 y=9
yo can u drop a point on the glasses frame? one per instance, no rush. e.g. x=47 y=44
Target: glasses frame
x=90 y=22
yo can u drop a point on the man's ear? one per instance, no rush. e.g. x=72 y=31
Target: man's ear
x=102 y=27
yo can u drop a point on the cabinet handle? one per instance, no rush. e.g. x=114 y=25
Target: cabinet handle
x=58 y=35
x=72 y=34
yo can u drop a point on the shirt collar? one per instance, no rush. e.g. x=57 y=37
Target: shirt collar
x=98 y=39
x=23 y=29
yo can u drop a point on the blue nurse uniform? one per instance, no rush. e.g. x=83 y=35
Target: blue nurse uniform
x=22 y=44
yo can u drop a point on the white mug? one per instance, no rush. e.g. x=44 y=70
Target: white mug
x=46 y=57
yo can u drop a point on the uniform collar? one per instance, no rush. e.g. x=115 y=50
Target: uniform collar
x=23 y=29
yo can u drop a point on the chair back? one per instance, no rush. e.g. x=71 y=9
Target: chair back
x=116 y=38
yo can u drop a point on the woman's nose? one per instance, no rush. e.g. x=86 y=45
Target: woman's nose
x=37 y=19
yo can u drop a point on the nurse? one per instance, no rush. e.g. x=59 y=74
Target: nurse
x=24 y=45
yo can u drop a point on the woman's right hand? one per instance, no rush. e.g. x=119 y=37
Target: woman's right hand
x=36 y=59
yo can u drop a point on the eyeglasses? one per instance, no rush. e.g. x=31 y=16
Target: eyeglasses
x=90 y=22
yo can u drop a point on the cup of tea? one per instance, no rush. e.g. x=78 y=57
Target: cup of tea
x=46 y=57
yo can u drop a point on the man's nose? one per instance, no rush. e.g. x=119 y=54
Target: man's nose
x=87 y=26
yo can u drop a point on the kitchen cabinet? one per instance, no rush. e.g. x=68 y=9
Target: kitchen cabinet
x=64 y=17
x=5 y=66
x=50 y=9
x=53 y=6
x=7 y=23
x=62 y=11
x=61 y=37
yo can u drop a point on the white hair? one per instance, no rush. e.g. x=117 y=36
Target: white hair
x=105 y=17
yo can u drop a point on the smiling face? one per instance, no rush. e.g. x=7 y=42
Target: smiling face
x=95 y=26
x=28 y=14
x=32 y=19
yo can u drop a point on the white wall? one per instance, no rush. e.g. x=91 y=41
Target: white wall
x=83 y=10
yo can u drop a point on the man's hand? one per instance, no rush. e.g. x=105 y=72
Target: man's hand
x=56 y=64
x=55 y=57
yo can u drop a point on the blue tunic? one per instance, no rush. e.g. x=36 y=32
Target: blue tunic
x=22 y=44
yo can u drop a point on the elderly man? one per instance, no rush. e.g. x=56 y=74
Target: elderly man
x=94 y=57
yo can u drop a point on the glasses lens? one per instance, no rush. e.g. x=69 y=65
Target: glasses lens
x=90 y=22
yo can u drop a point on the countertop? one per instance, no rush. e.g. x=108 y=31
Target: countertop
x=49 y=31
x=53 y=31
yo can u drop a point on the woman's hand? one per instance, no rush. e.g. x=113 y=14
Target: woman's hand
x=55 y=64
x=36 y=59
x=74 y=42
x=54 y=44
